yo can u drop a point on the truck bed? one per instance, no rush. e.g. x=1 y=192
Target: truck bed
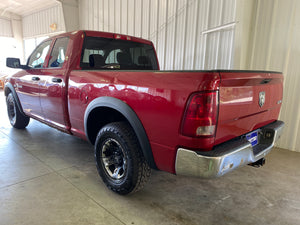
x=159 y=99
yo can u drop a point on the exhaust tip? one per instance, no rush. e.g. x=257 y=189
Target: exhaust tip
x=258 y=163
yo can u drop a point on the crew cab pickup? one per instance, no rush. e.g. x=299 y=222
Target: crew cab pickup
x=108 y=89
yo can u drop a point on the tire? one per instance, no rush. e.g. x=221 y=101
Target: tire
x=119 y=159
x=16 y=118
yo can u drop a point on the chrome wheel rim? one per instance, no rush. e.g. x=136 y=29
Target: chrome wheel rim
x=11 y=110
x=113 y=159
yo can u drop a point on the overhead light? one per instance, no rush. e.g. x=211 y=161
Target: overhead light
x=53 y=26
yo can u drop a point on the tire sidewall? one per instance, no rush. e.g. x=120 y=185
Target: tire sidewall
x=20 y=121
x=127 y=182
x=10 y=98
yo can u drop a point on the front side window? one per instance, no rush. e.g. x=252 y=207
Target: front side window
x=106 y=53
x=37 y=58
x=112 y=56
x=58 y=54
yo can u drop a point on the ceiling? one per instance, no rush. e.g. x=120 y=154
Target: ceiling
x=24 y=7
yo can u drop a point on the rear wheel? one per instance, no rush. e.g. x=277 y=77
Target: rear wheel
x=119 y=159
x=16 y=118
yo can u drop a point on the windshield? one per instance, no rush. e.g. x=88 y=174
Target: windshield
x=105 y=53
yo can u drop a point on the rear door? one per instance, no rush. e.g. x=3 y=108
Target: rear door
x=248 y=100
x=28 y=84
x=53 y=95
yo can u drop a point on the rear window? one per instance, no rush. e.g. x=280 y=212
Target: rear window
x=104 y=53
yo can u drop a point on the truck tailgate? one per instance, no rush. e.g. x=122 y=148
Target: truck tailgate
x=248 y=100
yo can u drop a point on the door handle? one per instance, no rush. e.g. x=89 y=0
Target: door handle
x=35 y=78
x=56 y=80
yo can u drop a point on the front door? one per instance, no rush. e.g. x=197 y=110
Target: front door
x=27 y=85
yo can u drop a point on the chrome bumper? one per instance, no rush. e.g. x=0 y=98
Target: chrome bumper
x=227 y=156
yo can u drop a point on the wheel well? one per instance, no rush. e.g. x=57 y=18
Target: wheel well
x=98 y=118
x=104 y=110
x=7 y=91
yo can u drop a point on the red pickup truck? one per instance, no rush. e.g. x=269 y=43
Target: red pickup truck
x=107 y=88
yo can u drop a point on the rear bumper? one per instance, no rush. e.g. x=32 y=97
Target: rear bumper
x=229 y=155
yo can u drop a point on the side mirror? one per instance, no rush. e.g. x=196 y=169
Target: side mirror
x=15 y=63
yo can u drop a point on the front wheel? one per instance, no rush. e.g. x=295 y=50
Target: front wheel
x=119 y=159
x=16 y=117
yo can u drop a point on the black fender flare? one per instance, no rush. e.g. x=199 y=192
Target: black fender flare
x=9 y=88
x=132 y=118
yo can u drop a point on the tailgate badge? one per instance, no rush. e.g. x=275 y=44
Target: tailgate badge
x=262 y=98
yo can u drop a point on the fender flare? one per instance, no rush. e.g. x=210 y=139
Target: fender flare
x=132 y=118
x=9 y=88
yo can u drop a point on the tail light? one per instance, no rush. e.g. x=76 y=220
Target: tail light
x=200 y=117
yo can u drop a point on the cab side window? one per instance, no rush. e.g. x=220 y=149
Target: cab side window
x=58 y=54
x=112 y=56
x=37 y=58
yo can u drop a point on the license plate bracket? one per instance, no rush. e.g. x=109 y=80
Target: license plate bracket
x=253 y=138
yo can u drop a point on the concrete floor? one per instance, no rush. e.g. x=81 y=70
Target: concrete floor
x=47 y=177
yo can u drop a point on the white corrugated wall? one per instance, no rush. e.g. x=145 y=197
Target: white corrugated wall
x=187 y=34
x=5 y=28
x=274 y=36
x=38 y=24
